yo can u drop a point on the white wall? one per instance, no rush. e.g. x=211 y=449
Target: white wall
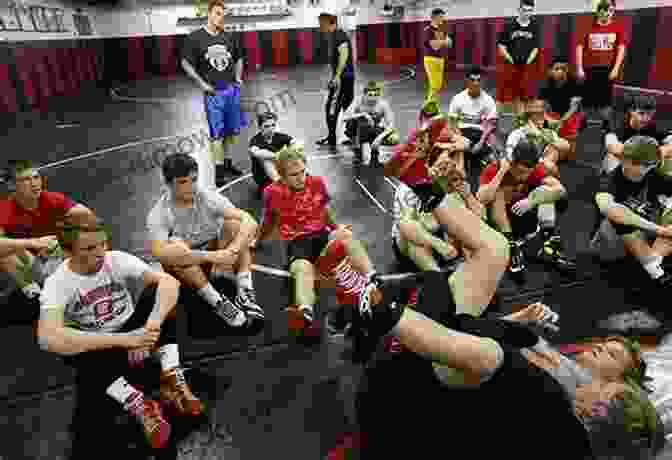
x=67 y=21
x=131 y=19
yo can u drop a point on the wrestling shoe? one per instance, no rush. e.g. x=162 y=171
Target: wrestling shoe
x=230 y=313
x=378 y=313
x=148 y=413
x=665 y=281
x=246 y=300
x=176 y=394
x=551 y=253
x=327 y=141
x=517 y=262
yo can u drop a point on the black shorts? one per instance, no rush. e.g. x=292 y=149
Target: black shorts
x=308 y=247
x=402 y=405
x=597 y=89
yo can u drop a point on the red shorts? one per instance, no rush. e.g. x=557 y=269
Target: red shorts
x=570 y=127
x=514 y=82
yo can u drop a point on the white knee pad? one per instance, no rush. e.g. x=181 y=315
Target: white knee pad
x=546 y=215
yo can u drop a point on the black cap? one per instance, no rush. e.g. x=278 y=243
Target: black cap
x=526 y=152
x=438 y=12
x=527 y=3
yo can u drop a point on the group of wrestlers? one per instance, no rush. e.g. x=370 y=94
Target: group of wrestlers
x=464 y=209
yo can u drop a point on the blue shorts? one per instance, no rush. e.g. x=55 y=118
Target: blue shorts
x=225 y=117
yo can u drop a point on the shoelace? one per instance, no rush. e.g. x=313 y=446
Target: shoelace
x=228 y=309
x=135 y=404
x=151 y=417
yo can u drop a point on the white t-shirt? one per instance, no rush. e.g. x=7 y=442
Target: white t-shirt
x=516 y=136
x=475 y=111
x=99 y=302
x=381 y=112
x=405 y=198
x=197 y=224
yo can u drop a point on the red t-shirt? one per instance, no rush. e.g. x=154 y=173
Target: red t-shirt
x=534 y=180
x=417 y=173
x=18 y=222
x=299 y=213
x=601 y=44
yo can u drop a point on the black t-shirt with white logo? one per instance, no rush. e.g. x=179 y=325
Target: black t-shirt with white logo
x=339 y=38
x=277 y=142
x=639 y=197
x=559 y=97
x=213 y=56
x=660 y=135
x=519 y=40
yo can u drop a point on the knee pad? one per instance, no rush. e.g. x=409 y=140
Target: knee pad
x=299 y=266
x=562 y=204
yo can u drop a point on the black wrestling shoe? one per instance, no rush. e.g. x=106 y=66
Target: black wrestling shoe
x=327 y=142
x=665 y=281
x=517 y=262
x=376 y=320
x=551 y=253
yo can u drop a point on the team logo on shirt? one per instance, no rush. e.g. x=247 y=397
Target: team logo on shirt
x=602 y=41
x=219 y=57
x=522 y=34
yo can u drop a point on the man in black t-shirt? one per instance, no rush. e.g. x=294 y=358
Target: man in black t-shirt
x=263 y=147
x=636 y=201
x=639 y=112
x=342 y=83
x=518 y=44
x=562 y=94
x=214 y=60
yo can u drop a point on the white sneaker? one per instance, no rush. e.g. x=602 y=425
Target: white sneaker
x=32 y=291
x=230 y=313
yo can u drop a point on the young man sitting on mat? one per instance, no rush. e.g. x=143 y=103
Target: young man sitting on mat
x=197 y=234
x=563 y=94
x=297 y=209
x=511 y=191
x=638 y=120
x=635 y=203
x=369 y=122
x=29 y=224
x=263 y=147
x=90 y=315
x=534 y=124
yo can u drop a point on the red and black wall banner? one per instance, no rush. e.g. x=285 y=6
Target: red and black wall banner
x=32 y=73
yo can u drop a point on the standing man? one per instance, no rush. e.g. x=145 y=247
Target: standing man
x=599 y=61
x=436 y=44
x=342 y=83
x=214 y=60
x=518 y=44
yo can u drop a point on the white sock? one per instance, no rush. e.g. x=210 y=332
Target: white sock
x=122 y=391
x=244 y=280
x=309 y=308
x=210 y=295
x=653 y=267
x=609 y=163
x=169 y=356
